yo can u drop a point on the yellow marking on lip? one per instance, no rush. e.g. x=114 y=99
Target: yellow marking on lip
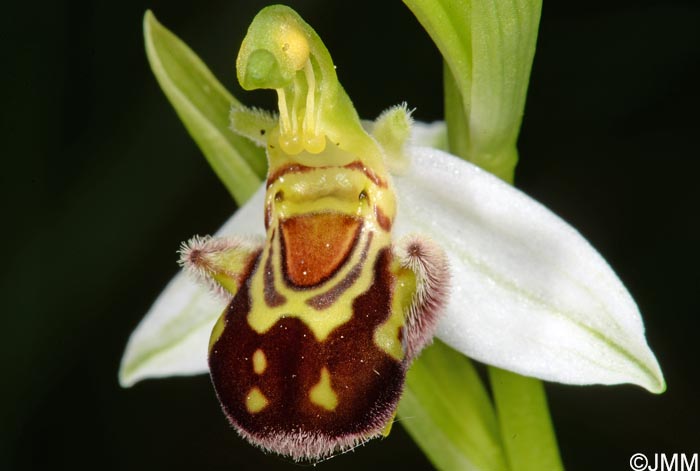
x=255 y=401
x=322 y=393
x=314 y=194
x=387 y=335
x=261 y=317
x=259 y=362
x=217 y=330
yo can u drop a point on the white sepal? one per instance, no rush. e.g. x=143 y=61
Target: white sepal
x=173 y=337
x=433 y=135
x=529 y=293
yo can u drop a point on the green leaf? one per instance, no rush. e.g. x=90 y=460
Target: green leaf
x=203 y=105
x=525 y=425
x=488 y=47
x=447 y=411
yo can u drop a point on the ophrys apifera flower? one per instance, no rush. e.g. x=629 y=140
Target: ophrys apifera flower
x=359 y=247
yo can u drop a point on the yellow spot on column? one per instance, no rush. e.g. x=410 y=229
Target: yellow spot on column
x=322 y=393
x=259 y=362
x=295 y=45
x=255 y=401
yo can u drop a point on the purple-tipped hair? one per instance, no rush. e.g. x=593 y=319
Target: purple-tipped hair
x=429 y=263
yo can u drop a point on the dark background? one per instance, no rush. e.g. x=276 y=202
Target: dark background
x=100 y=183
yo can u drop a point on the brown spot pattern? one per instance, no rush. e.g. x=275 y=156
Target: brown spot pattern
x=273 y=298
x=282 y=171
x=268 y=215
x=368 y=381
x=369 y=173
x=382 y=219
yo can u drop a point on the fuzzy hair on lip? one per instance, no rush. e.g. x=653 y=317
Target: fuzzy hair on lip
x=307 y=446
x=428 y=261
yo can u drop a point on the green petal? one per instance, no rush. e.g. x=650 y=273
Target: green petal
x=203 y=105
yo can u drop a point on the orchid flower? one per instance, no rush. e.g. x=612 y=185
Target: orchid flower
x=528 y=293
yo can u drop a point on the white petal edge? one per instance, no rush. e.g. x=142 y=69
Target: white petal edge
x=173 y=337
x=433 y=135
x=529 y=293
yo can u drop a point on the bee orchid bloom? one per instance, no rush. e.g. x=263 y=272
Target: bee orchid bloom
x=360 y=222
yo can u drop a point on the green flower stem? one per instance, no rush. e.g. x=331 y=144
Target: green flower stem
x=447 y=411
x=488 y=47
x=521 y=405
x=526 y=428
